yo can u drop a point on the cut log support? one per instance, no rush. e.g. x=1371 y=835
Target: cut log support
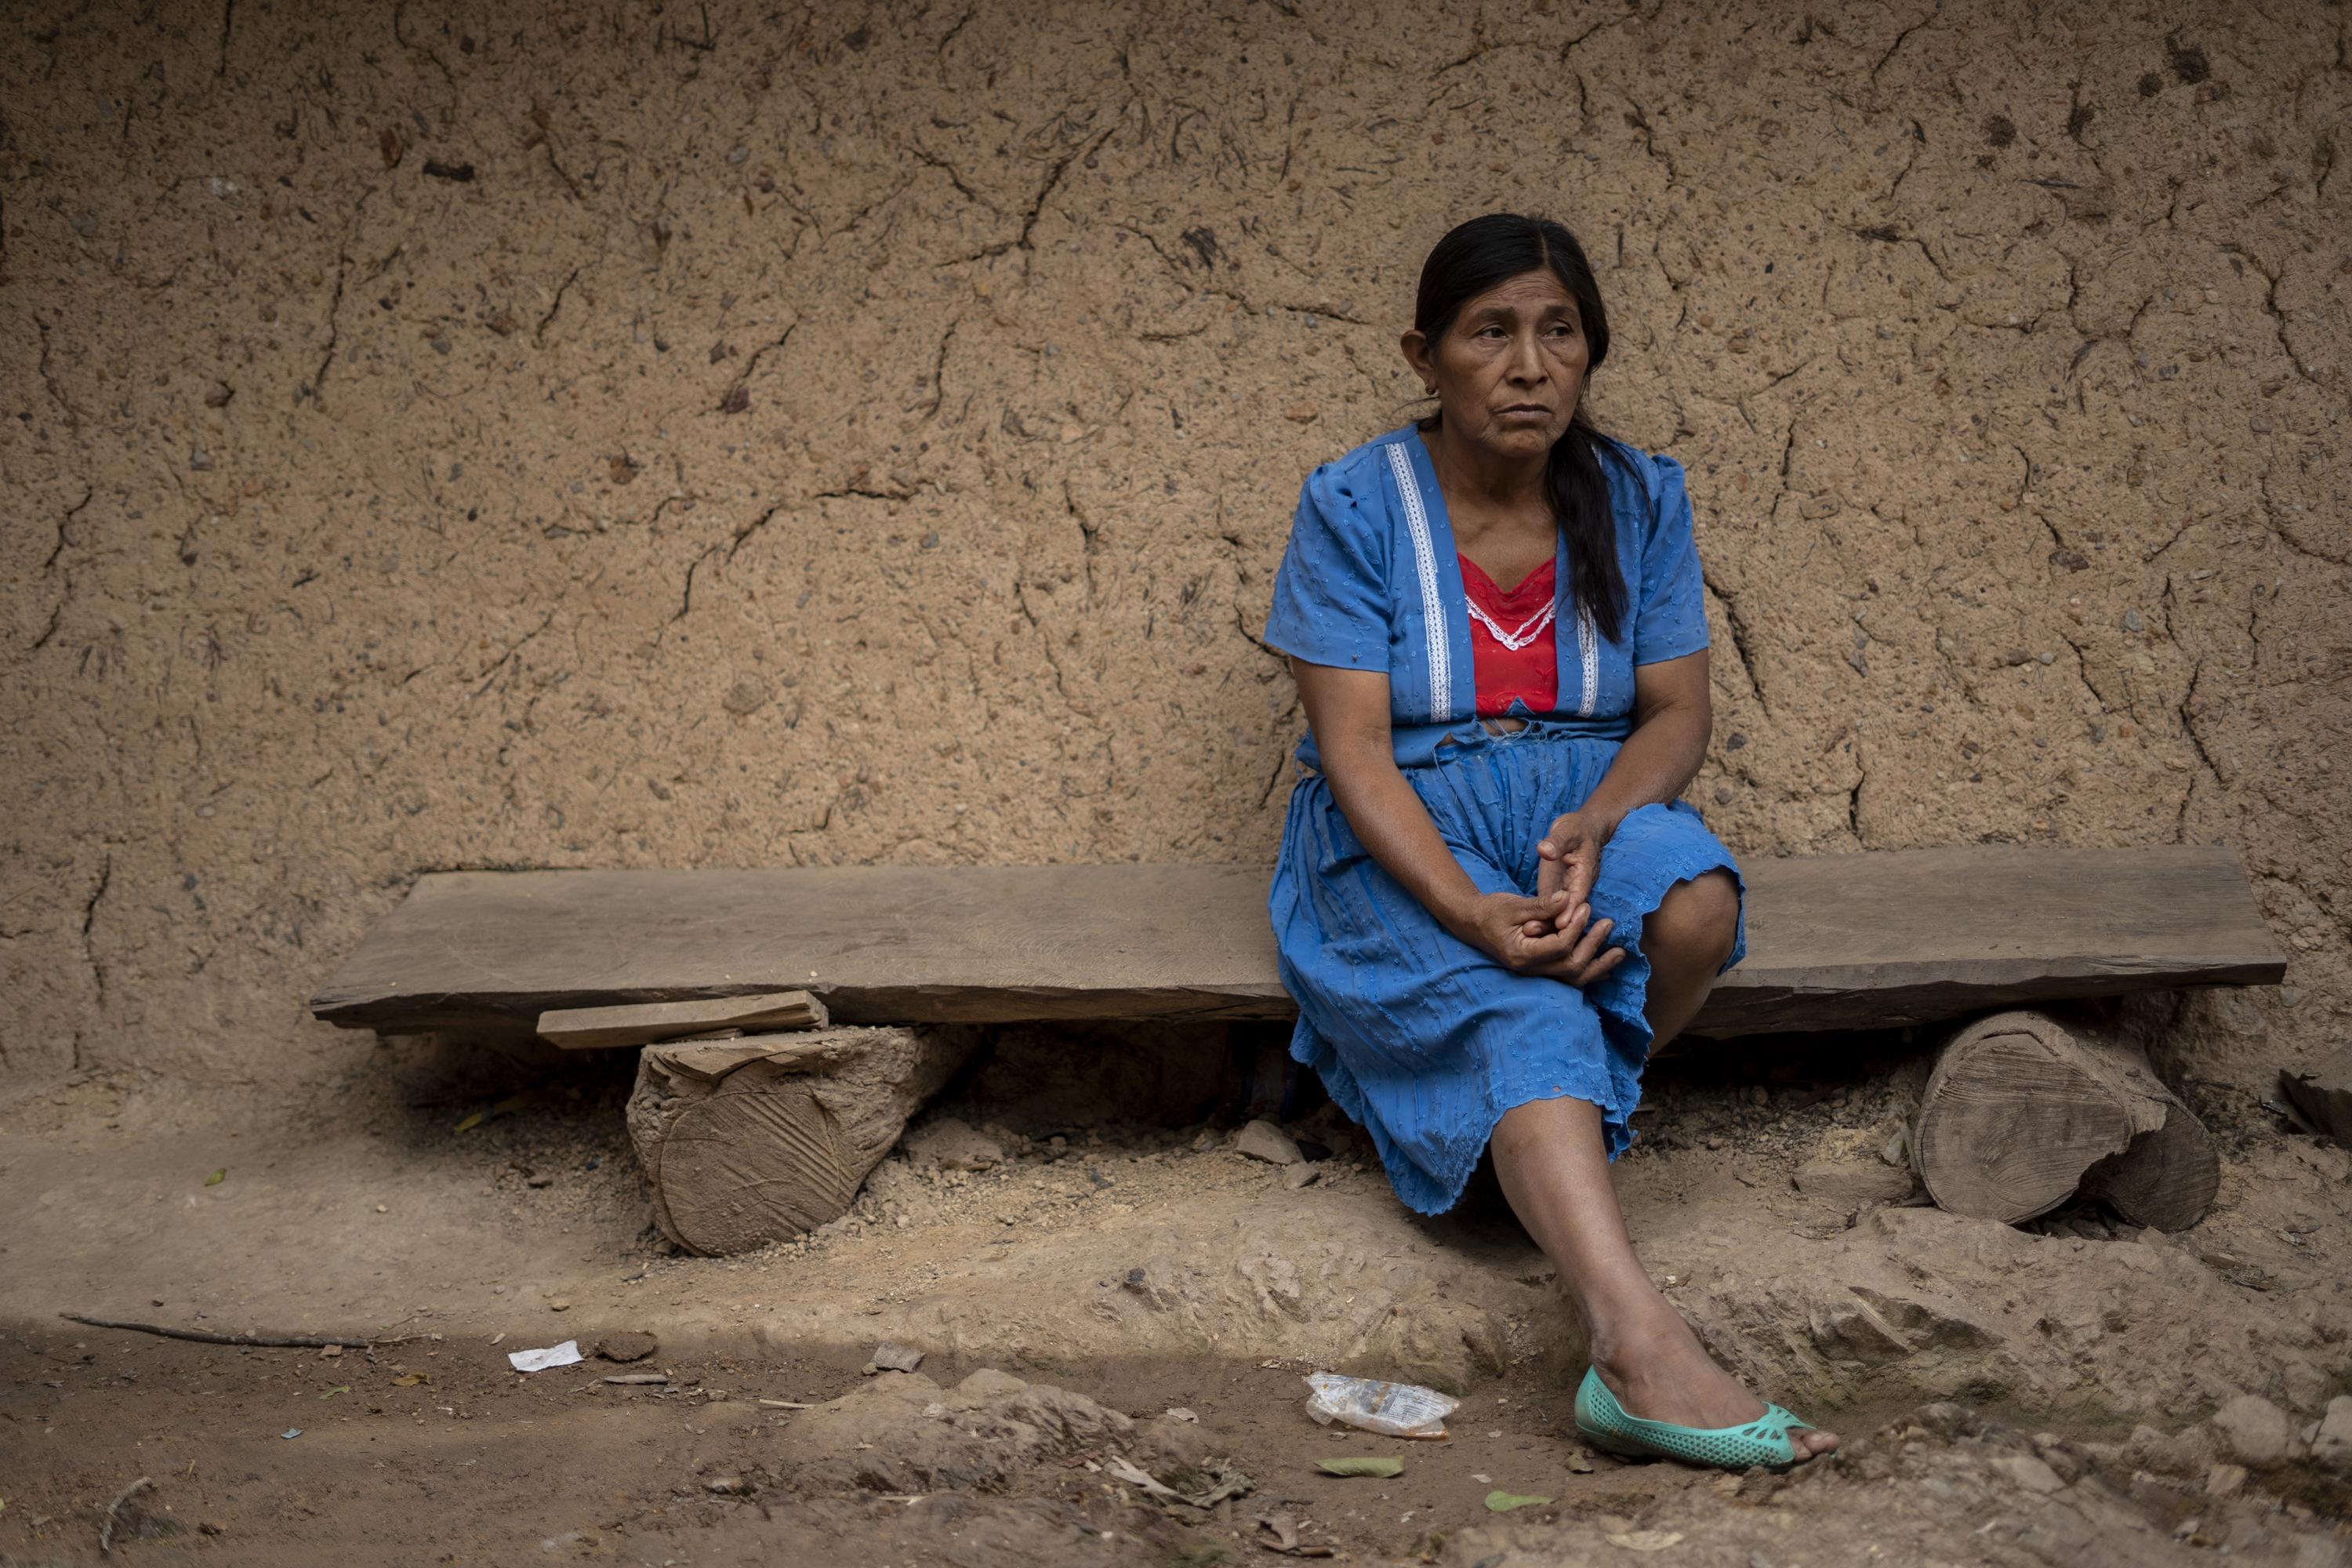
x=767 y=1137
x=644 y=1023
x=2024 y=1112
x=2166 y=1180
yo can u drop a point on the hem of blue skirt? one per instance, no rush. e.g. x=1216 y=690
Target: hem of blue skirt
x=1619 y=999
x=1433 y=1192
x=1623 y=997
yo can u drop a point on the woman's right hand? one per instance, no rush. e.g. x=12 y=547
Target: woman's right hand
x=1542 y=936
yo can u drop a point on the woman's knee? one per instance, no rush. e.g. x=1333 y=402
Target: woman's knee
x=1696 y=922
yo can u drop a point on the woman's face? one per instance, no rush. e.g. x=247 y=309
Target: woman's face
x=1509 y=370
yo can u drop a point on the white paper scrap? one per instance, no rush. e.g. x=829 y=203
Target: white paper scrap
x=563 y=1354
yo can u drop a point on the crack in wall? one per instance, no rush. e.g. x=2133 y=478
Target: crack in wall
x=1739 y=638
x=939 y=51
x=1036 y=208
x=513 y=651
x=65 y=522
x=315 y=389
x=1901 y=38
x=930 y=407
x=49 y=380
x=400 y=36
x=539 y=333
x=2083 y=670
x=734 y=543
x=90 y=924
x=738 y=396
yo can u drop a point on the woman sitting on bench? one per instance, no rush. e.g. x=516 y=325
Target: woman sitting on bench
x=1490 y=903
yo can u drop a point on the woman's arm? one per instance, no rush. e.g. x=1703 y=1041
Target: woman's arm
x=1672 y=716
x=1348 y=710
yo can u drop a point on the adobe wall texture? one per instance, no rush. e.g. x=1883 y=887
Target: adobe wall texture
x=812 y=434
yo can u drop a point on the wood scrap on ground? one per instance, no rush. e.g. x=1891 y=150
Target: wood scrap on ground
x=766 y=1138
x=1282 y=1536
x=2023 y=1112
x=263 y=1342
x=646 y=1022
x=2323 y=1096
x=105 y=1526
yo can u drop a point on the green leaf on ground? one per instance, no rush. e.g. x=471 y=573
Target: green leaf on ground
x=506 y=1106
x=217 y=1177
x=1367 y=1467
x=1504 y=1502
x=343 y=1388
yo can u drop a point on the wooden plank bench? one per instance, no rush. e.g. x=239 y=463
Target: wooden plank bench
x=749 y=1139
x=1864 y=941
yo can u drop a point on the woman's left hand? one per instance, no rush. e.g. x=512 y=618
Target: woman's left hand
x=1571 y=857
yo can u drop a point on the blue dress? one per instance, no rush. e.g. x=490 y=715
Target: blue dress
x=1424 y=1040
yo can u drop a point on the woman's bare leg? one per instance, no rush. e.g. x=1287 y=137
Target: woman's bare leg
x=1554 y=1166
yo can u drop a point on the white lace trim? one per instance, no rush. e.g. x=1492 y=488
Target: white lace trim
x=1514 y=640
x=1588 y=651
x=1432 y=607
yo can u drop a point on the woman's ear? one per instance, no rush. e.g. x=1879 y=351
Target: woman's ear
x=1415 y=345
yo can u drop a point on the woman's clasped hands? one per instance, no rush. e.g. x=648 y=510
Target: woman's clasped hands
x=1553 y=934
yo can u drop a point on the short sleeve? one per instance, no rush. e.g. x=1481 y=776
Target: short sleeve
x=1670 y=609
x=1330 y=598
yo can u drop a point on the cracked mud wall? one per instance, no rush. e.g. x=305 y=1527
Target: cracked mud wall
x=631 y=434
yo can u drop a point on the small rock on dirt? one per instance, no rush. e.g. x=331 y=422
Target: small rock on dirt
x=629 y=1344
x=1264 y=1140
x=954 y=1145
x=2182 y=1454
x=1300 y=1176
x=2332 y=1447
x=746 y=697
x=890 y=1357
x=2252 y=1430
x=1852 y=1182
x=2029 y=1472
x=989 y=1384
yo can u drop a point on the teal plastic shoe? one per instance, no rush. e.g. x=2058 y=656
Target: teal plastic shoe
x=1764 y=1441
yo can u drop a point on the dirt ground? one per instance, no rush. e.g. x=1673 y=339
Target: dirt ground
x=446 y=435
x=1139 y=1264
x=261 y=1457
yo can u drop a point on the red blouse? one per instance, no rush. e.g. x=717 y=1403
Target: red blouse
x=1531 y=672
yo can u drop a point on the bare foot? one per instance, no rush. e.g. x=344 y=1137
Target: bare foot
x=1659 y=1372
